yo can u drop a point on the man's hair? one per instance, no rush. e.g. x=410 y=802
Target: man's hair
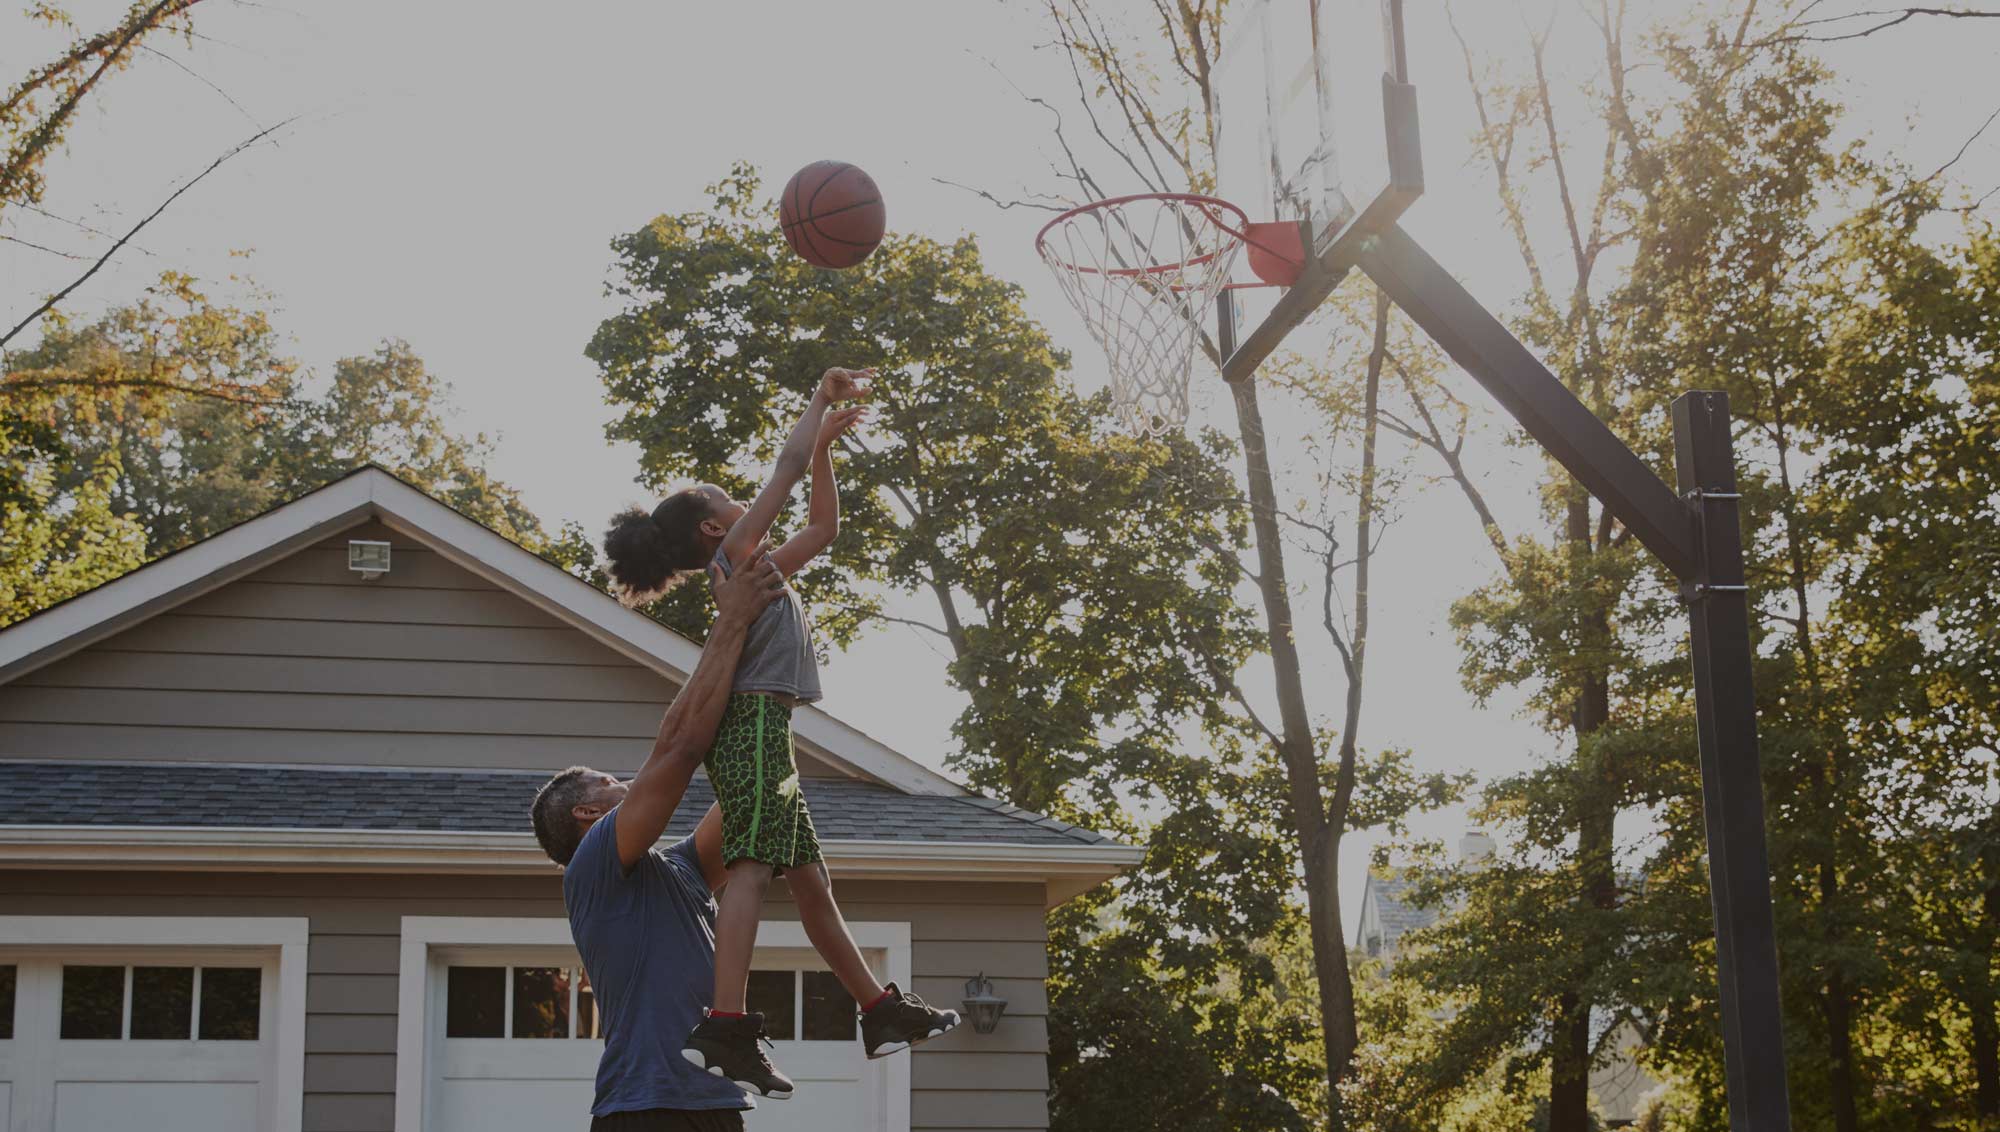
x=555 y=826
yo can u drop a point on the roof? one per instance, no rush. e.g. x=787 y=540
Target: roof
x=180 y=795
x=1395 y=907
x=371 y=492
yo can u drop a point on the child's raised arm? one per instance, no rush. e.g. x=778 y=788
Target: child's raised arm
x=823 y=521
x=836 y=385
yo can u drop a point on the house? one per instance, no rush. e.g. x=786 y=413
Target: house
x=265 y=863
x=1389 y=911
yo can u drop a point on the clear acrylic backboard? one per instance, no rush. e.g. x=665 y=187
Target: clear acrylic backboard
x=1308 y=99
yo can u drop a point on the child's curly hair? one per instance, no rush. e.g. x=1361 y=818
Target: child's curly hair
x=651 y=554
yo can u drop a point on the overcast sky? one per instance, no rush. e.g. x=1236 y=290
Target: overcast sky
x=457 y=171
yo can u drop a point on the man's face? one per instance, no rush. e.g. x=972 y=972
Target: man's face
x=602 y=792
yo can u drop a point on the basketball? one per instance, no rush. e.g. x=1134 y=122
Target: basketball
x=832 y=214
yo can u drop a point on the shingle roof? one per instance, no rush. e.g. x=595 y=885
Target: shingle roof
x=1395 y=907
x=179 y=794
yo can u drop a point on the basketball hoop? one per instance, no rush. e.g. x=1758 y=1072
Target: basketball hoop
x=1144 y=271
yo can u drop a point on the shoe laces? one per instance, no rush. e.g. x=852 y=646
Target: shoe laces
x=911 y=998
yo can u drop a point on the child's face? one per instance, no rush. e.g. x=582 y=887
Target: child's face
x=722 y=511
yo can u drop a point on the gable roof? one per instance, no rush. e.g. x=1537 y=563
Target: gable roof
x=372 y=492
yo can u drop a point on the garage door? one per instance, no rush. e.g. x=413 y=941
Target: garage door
x=161 y=1040
x=516 y=1043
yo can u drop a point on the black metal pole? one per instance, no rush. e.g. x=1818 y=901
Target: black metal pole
x=1565 y=426
x=1732 y=790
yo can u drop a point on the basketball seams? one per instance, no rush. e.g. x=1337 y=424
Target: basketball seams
x=806 y=229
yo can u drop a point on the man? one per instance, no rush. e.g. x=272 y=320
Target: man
x=642 y=916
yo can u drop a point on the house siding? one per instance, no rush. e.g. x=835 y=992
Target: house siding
x=992 y=1082
x=306 y=662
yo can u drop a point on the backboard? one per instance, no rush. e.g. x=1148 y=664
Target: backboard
x=1315 y=123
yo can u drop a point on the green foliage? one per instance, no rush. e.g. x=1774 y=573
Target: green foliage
x=1796 y=275
x=1084 y=580
x=179 y=417
x=1138 y=1046
x=51 y=553
x=1084 y=584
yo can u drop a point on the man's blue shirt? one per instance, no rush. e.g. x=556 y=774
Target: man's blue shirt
x=648 y=941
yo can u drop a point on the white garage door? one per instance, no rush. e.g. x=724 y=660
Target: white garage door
x=515 y=1044
x=166 y=1041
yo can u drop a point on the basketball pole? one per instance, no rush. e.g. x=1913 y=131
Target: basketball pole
x=1696 y=534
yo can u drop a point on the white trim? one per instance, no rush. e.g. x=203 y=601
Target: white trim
x=287 y=934
x=373 y=492
x=422 y=934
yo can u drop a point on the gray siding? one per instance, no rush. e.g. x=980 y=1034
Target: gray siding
x=305 y=662
x=964 y=1081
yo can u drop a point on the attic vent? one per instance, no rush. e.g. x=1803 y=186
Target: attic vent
x=369 y=559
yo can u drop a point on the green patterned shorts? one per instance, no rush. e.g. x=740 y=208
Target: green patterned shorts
x=756 y=780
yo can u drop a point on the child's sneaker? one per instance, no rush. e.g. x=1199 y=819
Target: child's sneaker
x=728 y=1047
x=900 y=1021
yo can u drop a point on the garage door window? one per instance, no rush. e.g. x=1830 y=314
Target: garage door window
x=108 y=1003
x=803 y=1005
x=519 y=1002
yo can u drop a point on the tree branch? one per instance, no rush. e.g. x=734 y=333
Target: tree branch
x=59 y=296
x=114 y=45
x=1889 y=17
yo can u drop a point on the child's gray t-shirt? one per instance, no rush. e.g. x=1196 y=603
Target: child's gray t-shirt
x=778 y=650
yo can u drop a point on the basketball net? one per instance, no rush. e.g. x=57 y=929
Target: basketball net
x=1144 y=272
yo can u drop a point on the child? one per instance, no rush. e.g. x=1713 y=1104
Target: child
x=766 y=827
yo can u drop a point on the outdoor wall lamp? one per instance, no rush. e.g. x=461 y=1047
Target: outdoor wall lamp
x=982 y=1005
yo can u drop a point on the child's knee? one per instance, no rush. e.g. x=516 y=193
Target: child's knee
x=810 y=881
x=751 y=874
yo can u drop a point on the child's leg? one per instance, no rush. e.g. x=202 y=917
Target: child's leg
x=812 y=891
x=739 y=907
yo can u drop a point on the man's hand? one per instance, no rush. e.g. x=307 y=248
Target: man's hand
x=847 y=384
x=744 y=594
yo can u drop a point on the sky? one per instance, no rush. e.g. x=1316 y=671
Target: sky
x=454 y=174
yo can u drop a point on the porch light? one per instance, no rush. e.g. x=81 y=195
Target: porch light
x=982 y=1005
x=368 y=558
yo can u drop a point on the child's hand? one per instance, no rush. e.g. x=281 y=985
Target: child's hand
x=847 y=384
x=839 y=421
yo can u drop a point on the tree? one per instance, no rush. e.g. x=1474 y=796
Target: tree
x=1773 y=263
x=178 y=417
x=1154 y=127
x=50 y=554
x=1084 y=588
x=37 y=112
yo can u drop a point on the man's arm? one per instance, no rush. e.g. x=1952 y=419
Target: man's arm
x=688 y=729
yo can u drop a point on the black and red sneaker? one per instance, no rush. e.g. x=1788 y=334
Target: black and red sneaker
x=900 y=1021
x=732 y=1046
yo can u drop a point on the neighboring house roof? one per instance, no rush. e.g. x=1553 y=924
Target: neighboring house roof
x=372 y=492
x=293 y=797
x=1390 y=897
